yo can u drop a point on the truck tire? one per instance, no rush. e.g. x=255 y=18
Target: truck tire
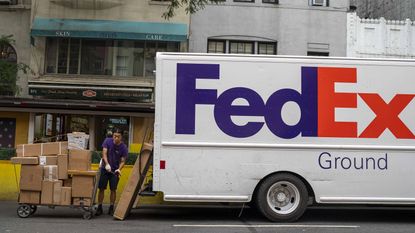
x=282 y=197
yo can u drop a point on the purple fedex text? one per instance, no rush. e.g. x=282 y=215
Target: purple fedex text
x=188 y=97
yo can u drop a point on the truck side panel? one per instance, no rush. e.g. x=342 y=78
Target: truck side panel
x=223 y=123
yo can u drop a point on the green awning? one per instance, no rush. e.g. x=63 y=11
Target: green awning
x=109 y=29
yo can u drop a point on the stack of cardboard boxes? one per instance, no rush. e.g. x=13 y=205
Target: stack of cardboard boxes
x=49 y=174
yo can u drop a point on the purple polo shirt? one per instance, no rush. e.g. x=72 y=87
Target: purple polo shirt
x=115 y=152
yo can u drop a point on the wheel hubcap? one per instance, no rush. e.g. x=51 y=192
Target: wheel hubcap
x=283 y=197
x=24 y=211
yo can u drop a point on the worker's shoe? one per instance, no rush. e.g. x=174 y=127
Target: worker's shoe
x=111 y=210
x=99 y=210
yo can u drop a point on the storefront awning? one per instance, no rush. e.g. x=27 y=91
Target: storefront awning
x=109 y=29
x=75 y=106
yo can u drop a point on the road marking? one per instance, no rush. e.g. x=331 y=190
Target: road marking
x=267 y=226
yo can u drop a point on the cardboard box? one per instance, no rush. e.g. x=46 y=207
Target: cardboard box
x=82 y=201
x=28 y=150
x=79 y=160
x=55 y=148
x=66 y=196
x=82 y=186
x=50 y=148
x=25 y=160
x=48 y=160
x=67 y=182
x=50 y=172
x=57 y=192
x=29 y=197
x=31 y=177
x=78 y=140
x=47 y=192
x=62 y=167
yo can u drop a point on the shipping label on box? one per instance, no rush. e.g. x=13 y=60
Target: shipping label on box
x=82 y=186
x=48 y=160
x=82 y=201
x=66 y=196
x=47 y=192
x=79 y=160
x=25 y=160
x=31 y=177
x=62 y=167
x=57 y=192
x=50 y=172
x=29 y=197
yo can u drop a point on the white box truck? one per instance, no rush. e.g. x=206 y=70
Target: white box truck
x=281 y=131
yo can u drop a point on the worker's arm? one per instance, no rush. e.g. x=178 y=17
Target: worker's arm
x=105 y=158
x=105 y=155
x=122 y=163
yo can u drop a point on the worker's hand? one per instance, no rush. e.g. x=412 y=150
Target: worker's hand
x=108 y=168
x=117 y=172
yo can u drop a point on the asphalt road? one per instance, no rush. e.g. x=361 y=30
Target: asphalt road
x=210 y=219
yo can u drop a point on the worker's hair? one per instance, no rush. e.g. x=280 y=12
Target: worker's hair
x=117 y=130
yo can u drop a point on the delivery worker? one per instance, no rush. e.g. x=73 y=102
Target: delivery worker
x=114 y=154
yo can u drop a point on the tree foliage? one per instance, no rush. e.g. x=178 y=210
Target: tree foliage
x=8 y=69
x=191 y=6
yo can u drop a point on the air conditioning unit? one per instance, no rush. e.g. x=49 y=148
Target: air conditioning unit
x=318 y=2
x=6 y=2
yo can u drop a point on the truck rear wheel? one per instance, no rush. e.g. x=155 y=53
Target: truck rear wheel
x=282 y=197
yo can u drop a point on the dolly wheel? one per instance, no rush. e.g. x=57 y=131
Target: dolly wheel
x=24 y=211
x=87 y=215
x=33 y=209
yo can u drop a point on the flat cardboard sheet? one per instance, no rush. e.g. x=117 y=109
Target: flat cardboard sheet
x=133 y=185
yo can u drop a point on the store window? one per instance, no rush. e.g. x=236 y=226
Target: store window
x=105 y=126
x=241 y=47
x=270 y=1
x=104 y=57
x=55 y=127
x=8 y=58
x=7 y=132
x=319 y=2
x=216 y=46
x=267 y=48
x=97 y=57
x=319 y=54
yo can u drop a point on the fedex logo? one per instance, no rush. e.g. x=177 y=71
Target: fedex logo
x=317 y=101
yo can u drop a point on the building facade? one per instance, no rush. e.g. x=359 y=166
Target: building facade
x=284 y=27
x=389 y=9
x=380 y=38
x=15 y=21
x=93 y=65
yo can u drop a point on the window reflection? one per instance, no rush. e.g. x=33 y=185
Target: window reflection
x=123 y=58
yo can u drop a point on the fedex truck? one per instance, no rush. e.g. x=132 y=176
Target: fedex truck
x=284 y=132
